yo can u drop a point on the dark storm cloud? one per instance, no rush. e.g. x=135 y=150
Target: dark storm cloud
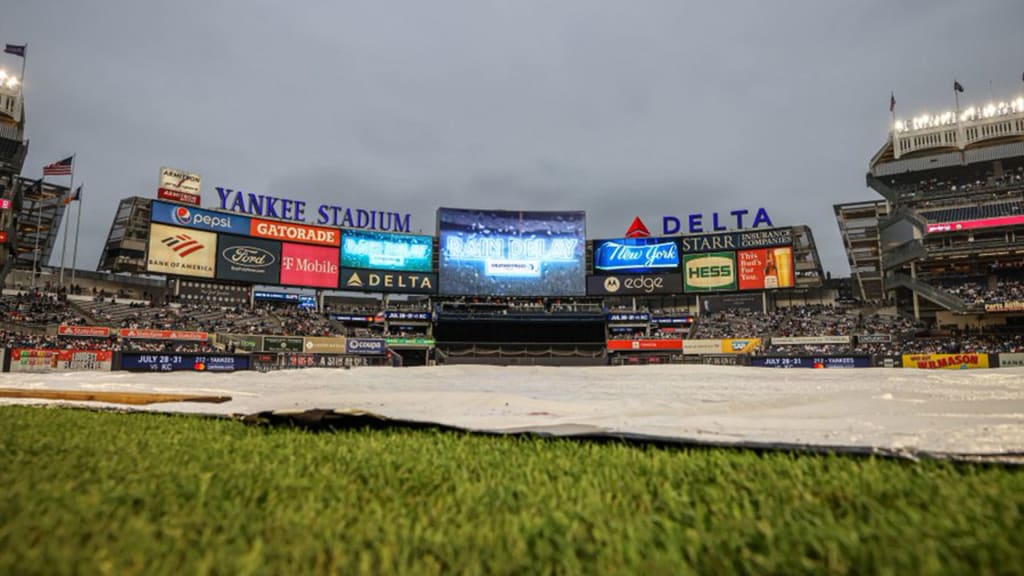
x=618 y=108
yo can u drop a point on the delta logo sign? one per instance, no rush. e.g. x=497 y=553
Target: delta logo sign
x=699 y=222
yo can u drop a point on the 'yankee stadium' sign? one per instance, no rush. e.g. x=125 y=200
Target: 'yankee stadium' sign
x=324 y=214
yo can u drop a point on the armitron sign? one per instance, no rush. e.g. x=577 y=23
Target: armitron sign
x=179 y=186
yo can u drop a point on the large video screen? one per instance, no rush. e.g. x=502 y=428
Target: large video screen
x=384 y=251
x=507 y=253
x=635 y=255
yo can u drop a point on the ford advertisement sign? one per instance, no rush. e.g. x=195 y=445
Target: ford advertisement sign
x=366 y=346
x=635 y=255
x=190 y=217
x=248 y=260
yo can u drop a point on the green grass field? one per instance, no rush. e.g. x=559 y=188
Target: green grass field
x=88 y=492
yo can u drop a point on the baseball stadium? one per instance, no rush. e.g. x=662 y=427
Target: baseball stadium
x=250 y=382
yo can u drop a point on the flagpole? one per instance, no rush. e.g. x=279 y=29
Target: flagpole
x=78 y=225
x=39 y=225
x=64 y=248
x=24 y=57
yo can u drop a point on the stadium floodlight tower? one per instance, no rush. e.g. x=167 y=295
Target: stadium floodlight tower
x=953 y=186
x=13 y=149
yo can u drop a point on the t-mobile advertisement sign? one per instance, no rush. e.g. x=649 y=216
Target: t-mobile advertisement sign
x=312 y=266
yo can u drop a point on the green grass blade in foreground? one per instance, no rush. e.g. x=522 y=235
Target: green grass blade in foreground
x=136 y=493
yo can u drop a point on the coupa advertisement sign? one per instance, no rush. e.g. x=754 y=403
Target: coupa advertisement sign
x=635 y=255
x=303 y=265
x=189 y=217
x=181 y=252
x=248 y=260
x=709 y=272
x=383 y=251
x=365 y=346
x=945 y=361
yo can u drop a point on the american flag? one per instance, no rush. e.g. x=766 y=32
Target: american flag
x=61 y=168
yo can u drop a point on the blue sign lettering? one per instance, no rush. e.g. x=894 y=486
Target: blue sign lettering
x=267 y=206
x=191 y=217
x=697 y=222
x=639 y=255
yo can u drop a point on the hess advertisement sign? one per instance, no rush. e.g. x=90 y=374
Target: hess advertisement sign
x=313 y=266
x=765 y=268
x=248 y=260
x=181 y=252
x=635 y=284
x=709 y=272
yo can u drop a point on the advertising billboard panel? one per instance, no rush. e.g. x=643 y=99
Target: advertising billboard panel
x=324 y=344
x=384 y=251
x=251 y=260
x=709 y=272
x=634 y=284
x=765 y=268
x=154 y=334
x=740 y=240
x=749 y=302
x=199 y=219
x=150 y=362
x=367 y=346
x=313 y=266
x=302 y=233
x=35 y=360
x=635 y=255
x=388 y=281
x=507 y=253
x=975 y=224
x=645 y=345
x=179 y=186
x=811 y=361
x=945 y=361
x=181 y=252
x=84 y=331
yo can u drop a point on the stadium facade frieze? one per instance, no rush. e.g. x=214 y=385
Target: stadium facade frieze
x=277 y=207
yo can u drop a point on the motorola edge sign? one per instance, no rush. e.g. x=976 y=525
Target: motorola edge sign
x=634 y=284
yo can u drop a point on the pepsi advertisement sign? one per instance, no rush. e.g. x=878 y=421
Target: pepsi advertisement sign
x=366 y=346
x=383 y=251
x=635 y=255
x=199 y=219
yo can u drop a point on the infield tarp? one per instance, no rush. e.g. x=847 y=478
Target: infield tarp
x=969 y=412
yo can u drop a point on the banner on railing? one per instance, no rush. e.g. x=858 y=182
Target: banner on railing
x=803 y=340
x=150 y=334
x=811 y=361
x=84 y=331
x=651 y=345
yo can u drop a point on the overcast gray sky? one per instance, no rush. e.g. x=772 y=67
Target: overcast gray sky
x=620 y=108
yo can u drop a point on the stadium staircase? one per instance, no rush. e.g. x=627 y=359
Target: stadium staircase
x=944 y=299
